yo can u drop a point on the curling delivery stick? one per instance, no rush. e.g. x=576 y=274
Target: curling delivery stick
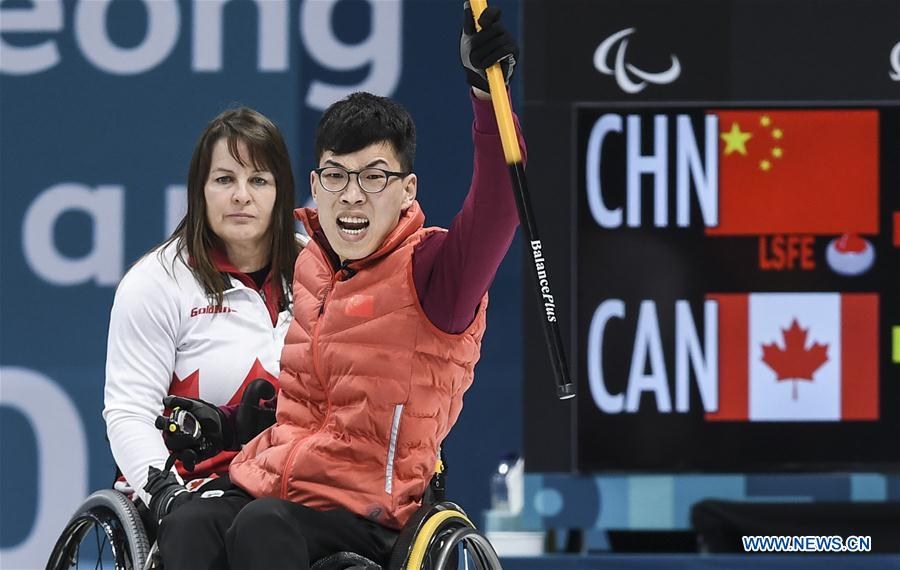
x=564 y=387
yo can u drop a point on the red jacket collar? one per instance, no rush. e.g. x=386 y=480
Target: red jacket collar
x=272 y=292
x=221 y=262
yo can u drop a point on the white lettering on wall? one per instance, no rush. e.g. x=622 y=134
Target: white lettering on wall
x=176 y=206
x=62 y=454
x=163 y=21
x=104 y=205
x=380 y=51
x=44 y=16
x=380 y=54
x=272 y=35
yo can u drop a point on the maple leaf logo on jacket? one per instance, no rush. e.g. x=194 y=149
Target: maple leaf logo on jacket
x=795 y=362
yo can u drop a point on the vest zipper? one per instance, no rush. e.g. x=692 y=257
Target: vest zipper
x=315 y=357
x=287 y=464
x=325 y=300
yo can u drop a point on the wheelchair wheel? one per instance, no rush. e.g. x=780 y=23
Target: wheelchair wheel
x=106 y=532
x=446 y=540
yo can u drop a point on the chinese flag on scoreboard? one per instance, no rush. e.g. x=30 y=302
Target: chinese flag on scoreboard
x=797 y=172
x=797 y=357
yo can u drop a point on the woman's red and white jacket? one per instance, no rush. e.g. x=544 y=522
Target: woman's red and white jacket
x=167 y=337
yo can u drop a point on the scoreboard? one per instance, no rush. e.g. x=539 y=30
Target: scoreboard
x=735 y=270
x=718 y=189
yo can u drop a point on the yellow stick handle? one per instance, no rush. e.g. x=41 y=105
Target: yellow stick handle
x=502 y=109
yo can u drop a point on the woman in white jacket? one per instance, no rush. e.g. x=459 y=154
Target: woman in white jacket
x=206 y=312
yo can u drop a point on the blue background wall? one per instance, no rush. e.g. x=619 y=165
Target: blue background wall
x=100 y=105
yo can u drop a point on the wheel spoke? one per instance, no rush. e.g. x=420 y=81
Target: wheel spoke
x=99 y=563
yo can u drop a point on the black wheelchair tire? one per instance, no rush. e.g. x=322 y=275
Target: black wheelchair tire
x=119 y=519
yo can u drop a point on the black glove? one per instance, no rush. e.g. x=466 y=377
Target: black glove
x=254 y=414
x=191 y=446
x=166 y=493
x=480 y=50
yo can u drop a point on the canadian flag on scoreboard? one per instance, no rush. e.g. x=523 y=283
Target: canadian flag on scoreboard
x=797 y=357
x=797 y=172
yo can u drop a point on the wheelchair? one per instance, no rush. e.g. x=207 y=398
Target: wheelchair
x=109 y=530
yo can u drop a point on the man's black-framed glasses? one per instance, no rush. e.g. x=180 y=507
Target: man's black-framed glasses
x=371 y=180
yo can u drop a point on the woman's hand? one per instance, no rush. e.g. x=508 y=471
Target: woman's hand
x=195 y=430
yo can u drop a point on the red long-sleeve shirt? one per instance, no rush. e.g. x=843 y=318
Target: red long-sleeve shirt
x=453 y=270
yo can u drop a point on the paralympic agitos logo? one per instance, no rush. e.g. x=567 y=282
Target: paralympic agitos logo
x=895 y=62
x=623 y=71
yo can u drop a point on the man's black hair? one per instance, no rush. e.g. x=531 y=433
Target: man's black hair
x=362 y=119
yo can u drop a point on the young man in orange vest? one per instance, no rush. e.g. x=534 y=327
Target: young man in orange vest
x=388 y=321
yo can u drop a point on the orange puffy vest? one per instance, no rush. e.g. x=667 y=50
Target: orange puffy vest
x=369 y=386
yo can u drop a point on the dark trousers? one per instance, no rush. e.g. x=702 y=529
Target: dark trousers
x=237 y=531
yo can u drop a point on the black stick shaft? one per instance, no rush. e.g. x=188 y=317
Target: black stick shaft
x=540 y=271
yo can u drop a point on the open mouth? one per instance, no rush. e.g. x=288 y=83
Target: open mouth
x=352 y=225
